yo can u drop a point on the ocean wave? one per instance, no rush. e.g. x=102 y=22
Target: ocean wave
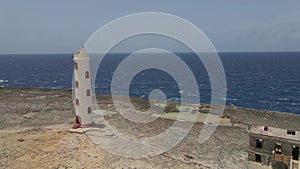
x=174 y=99
x=284 y=99
x=3 y=81
x=263 y=101
x=230 y=99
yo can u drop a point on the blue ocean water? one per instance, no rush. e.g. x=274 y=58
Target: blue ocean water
x=267 y=81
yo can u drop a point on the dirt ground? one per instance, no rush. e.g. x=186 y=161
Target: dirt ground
x=34 y=134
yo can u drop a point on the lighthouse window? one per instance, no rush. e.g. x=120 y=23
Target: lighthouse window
x=87 y=74
x=88 y=92
x=89 y=110
x=76 y=84
x=76 y=65
x=77 y=102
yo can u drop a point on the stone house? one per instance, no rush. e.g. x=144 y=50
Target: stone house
x=274 y=146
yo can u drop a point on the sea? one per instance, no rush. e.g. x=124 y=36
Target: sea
x=258 y=80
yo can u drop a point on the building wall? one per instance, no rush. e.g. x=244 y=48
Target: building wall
x=268 y=146
x=269 y=143
x=265 y=158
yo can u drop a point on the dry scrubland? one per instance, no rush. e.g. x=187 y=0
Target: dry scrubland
x=34 y=124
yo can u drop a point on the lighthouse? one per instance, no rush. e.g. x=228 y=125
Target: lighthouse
x=82 y=87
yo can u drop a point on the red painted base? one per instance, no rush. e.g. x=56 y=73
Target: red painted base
x=79 y=125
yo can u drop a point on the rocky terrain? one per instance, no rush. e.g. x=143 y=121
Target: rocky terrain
x=34 y=134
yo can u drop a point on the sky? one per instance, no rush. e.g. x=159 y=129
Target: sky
x=61 y=26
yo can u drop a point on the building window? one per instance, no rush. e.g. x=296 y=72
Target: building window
x=87 y=74
x=257 y=157
x=88 y=92
x=258 y=143
x=76 y=65
x=295 y=153
x=89 y=110
x=77 y=102
x=278 y=148
x=291 y=132
x=76 y=84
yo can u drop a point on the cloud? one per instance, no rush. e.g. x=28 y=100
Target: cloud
x=281 y=32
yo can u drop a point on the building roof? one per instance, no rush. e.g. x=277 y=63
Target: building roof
x=276 y=132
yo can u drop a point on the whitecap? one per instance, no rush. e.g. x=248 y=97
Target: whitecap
x=3 y=81
x=284 y=99
x=234 y=99
x=262 y=101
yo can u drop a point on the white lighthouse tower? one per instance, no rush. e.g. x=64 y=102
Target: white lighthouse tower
x=83 y=96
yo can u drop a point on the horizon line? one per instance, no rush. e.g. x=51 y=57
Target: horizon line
x=125 y=52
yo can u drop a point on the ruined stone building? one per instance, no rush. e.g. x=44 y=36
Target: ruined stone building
x=274 y=146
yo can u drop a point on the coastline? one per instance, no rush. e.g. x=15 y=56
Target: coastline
x=57 y=108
